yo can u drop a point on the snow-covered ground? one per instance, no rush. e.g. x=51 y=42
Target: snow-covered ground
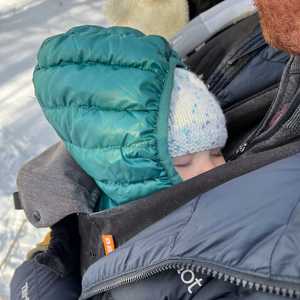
x=24 y=133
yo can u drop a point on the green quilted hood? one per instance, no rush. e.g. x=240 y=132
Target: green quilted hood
x=106 y=91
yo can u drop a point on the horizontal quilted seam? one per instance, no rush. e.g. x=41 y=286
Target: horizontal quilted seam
x=91 y=63
x=95 y=108
x=123 y=183
x=103 y=34
x=94 y=33
x=115 y=147
x=99 y=32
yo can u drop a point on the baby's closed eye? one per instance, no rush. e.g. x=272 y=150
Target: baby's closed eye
x=216 y=152
x=182 y=161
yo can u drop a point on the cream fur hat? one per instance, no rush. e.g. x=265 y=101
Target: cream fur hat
x=159 y=17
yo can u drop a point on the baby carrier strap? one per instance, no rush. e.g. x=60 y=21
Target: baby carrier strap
x=52 y=186
x=209 y=23
x=204 y=60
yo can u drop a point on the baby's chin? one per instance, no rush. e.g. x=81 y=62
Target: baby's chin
x=280 y=23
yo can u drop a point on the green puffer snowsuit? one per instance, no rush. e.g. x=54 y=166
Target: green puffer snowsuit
x=106 y=91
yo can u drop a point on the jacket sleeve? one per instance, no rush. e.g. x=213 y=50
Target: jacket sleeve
x=35 y=281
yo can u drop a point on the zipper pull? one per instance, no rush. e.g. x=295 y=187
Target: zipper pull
x=241 y=149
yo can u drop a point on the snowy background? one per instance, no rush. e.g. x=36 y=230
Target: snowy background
x=24 y=133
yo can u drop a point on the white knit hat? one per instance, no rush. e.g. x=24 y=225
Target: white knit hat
x=196 y=120
x=160 y=17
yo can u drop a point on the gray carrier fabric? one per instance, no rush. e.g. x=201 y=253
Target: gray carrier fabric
x=52 y=186
x=209 y=23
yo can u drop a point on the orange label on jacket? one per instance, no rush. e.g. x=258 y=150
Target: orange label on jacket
x=108 y=243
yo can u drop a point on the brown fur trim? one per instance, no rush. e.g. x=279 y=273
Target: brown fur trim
x=280 y=20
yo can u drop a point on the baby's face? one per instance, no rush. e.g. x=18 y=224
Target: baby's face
x=191 y=165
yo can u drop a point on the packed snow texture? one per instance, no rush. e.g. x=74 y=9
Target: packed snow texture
x=24 y=132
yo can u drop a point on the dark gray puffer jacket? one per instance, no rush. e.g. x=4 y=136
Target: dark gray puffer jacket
x=245 y=232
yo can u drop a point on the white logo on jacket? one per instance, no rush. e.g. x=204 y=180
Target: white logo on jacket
x=189 y=278
x=24 y=291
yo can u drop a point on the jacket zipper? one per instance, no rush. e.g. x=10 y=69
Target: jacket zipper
x=247 y=50
x=258 y=135
x=254 y=138
x=245 y=100
x=251 y=283
x=245 y=145
x=220 y=78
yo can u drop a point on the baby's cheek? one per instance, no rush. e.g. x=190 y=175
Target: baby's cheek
x=199 y=166
x=180 y=172
x=183 y=172
x=218 y=160
x=188 y=172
